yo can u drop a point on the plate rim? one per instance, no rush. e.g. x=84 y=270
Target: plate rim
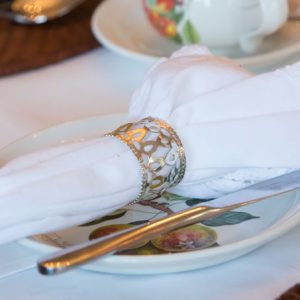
x=254 y=61
x=36 y=134
x=101 y=37
x=242 y=246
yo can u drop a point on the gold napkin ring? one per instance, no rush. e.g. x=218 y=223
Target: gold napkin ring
x=160 y=154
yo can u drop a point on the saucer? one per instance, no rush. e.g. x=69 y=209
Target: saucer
x=122 y=27
x=212 y=242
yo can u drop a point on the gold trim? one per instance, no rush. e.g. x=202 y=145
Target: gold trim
x=159 y=152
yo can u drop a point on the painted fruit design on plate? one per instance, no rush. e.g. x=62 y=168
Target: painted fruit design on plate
x=167 y=16
x=189 y=238
x=194 y=237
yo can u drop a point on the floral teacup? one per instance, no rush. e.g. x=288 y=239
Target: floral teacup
x=217 y=23
x=165 y=15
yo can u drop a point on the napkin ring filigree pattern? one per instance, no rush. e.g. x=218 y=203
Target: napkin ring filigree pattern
x=159 y=151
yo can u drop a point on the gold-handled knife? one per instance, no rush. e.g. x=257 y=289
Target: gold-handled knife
x=77 y=255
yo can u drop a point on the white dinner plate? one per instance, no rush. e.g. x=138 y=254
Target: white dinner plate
x=199 y=246
x=123 y=27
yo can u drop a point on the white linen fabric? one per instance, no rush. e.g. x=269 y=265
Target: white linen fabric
x=236 y=128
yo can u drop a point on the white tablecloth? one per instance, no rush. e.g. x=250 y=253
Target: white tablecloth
x=100 y=83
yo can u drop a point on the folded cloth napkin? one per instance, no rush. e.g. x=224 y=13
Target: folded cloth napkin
x=237 y=129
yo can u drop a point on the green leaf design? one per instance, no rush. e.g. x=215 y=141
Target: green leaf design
x=193 y=202
x=177 y=39
x=115 y=215
x=139 y=222
x=170 y=196
x=229 y=218
x=190 y=33
x=151 y=3
x=173 y=15
x=188 y=201
x=177 y=17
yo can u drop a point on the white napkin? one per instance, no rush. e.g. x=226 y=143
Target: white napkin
x=234 y=136
x=237 y=129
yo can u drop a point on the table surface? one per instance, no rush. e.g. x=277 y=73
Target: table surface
x=99 y=83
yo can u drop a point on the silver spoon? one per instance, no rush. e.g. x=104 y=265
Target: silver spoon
x=36 y=11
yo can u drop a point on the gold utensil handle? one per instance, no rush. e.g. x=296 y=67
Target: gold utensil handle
x=77 y=255
x=74 y=256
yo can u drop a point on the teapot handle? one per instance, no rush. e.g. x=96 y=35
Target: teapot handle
x=274 y=15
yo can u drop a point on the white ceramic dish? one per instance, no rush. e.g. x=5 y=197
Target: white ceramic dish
x=236 y=234
x=123 y=27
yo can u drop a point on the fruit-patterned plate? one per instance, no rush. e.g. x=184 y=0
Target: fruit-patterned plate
x=122 y=27
x=197 y=246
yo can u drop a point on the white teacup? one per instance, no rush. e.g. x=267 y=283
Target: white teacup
x=218 y=23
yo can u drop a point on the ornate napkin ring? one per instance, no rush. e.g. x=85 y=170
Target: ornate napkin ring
x=159 y=151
